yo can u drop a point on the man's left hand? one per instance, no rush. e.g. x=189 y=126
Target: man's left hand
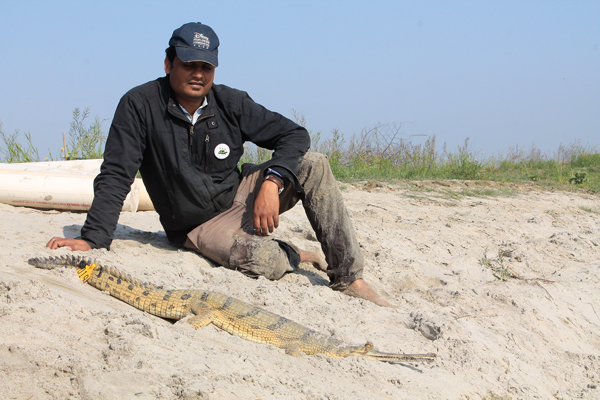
x=266 y=209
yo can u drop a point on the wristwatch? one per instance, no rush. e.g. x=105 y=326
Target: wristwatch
x=276 y=180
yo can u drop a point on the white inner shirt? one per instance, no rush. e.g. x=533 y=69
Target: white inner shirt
x=197 y=113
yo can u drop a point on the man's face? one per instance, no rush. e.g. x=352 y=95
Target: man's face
x=191 y=81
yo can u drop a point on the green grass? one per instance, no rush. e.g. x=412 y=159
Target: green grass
x=590 y=210
x=15 y=152
x=85 y=142
x=478 y=192
x=498 y=267
x=379 y=153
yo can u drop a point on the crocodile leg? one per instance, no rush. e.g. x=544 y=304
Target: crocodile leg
x=202 y=314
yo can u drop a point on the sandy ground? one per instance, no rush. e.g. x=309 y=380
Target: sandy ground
x=504 y=288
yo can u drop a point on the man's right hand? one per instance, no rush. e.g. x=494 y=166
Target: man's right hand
x=70 y=244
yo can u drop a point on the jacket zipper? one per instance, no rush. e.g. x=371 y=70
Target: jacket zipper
x=191 y=139
x=206 y=140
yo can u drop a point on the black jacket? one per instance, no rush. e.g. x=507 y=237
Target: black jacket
x=187 y=183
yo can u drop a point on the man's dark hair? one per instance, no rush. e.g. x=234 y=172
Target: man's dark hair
x=171 y=53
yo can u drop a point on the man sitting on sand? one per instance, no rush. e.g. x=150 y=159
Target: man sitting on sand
x=185 y=135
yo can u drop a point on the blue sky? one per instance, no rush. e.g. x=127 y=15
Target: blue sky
x=501 y=73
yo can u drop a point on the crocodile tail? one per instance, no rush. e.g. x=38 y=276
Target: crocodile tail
x=368 y=351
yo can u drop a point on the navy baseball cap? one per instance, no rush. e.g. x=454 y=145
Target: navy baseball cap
x=196 y=42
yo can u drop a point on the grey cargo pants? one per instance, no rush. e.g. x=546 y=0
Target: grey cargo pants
x=229 y=239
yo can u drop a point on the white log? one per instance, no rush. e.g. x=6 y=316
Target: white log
x=72 y=168
x=63 y=191
x=73 y=165
x=145 y=203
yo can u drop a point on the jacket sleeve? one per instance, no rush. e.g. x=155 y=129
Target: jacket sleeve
x=122 y=158
x=273 y=131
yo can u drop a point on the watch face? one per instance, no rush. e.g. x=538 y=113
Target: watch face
x=222 y=151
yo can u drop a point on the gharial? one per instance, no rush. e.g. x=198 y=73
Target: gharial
x=199 y=308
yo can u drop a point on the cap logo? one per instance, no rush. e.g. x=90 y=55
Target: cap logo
x=201 y=41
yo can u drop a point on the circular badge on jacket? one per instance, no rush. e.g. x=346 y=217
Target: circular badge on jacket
x=222 y=151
